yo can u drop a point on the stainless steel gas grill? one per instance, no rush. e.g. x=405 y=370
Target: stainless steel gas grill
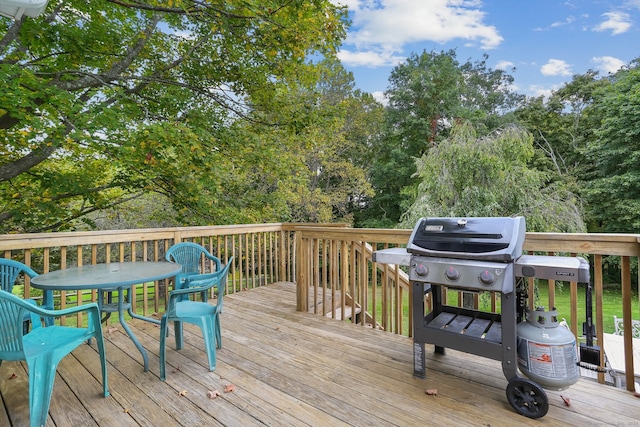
x=474 y=255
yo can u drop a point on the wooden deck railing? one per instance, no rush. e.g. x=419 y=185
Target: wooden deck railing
x=332 y=265
x=263 y=255
x=336 y=279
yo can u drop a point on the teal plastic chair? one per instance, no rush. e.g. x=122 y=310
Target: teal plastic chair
x=190 y=256
x=44 y=347
x=199 y=313
x=10 y=270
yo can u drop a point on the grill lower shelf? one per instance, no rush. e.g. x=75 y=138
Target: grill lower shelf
x=477 y=333
x=489 y=329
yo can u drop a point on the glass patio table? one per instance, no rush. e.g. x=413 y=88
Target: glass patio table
x=108 y=278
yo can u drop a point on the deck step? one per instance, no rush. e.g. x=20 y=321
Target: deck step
x=348 y=312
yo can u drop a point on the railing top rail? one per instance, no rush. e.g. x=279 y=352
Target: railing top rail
x=43 y=240
x=591 y=243
x=73 y=238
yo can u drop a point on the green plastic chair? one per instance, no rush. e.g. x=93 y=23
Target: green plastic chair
x=10 y=270
x=199 y=313
x=190 y=256
x=44 y=347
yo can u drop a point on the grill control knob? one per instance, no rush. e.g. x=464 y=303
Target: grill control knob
x=421 y=270
x=486 y=278
x=452 y=274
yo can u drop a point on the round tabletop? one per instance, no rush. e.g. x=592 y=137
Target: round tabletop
x=104 y=276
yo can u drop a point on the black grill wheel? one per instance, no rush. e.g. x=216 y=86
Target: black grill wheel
x=527 y=398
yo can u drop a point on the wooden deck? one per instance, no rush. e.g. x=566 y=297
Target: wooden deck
x=292 y=368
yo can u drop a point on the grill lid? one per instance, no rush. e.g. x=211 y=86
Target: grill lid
x=489 y=238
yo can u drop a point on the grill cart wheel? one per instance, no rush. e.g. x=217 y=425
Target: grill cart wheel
x=527 y=398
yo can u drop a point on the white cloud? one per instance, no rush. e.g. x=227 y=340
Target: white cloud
x=383 y=27
x=505 y=65
x=540 y=90
x=617 y=22
x=556 y=67
x=607 y=64
x=369 y=58
x=379 y=96
x=633 y=4
x=567 y=21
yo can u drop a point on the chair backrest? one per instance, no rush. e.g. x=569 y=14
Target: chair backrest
x=12 y=310
x=189 y=255
x=9 y=272
x=618 y=323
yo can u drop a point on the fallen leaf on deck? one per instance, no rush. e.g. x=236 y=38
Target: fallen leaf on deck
x=566 y=400
x=126 y=410
x=183 y=393
x=431 y=391
x=212 y=394
x=112 y=329
x=13 y=376
x=229 y=388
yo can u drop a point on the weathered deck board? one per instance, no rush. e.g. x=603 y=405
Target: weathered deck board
x=293 y=368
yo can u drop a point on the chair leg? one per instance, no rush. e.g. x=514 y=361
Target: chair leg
x=218 y=333
x=42 y=373
x=208 y=333
x=103 y=356
x=178 y=333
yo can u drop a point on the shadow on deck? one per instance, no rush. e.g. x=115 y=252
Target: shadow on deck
x=292 y=368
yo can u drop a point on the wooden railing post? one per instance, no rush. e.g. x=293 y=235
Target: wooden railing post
x=302 y=285
x=626 y=314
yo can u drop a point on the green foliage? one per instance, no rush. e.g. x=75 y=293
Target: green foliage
x=102 y=102
x=427 y=94
x=467 y=175
x=613 y=180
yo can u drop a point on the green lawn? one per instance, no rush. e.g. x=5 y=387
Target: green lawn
x=611 y=304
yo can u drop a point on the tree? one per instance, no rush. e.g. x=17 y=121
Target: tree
x=105 y=101
x=613 y=180
x=469 y=176
x=426 y=95
x=561 y=125
x=324 y=149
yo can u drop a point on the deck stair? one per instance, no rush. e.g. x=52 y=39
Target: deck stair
x=331 y=306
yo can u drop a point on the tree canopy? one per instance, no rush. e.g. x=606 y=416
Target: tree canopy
x=427 y=93
x=238 y=111
x=612 y=179
x=104 y=101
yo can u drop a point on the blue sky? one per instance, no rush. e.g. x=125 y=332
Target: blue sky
x=547 y=41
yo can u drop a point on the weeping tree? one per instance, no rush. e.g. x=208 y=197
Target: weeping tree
x=427 y=93
x=470 y=176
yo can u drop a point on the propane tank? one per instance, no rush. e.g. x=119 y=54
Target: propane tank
x=547 y=352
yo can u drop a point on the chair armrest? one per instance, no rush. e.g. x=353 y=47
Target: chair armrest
x=192 y=290
x=64 y=312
